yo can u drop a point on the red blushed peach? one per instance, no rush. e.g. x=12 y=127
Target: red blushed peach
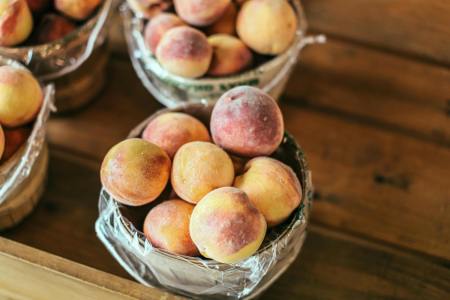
x=14 y=139
x=184 y=51
x=170 y=131
x=267 y=26
x=20 y=96
x=230 y=55
x=226 y=24
x=16 y=22
x=201 y=12
x=77 y=9
x=2 y=142
x=38 y=6
x=53 y=27
x=167 y=227
x=272 y=187
x=135 y=172
x=158 y=26
x=149 y=8
x=226 y=226
x=198 y=168
x=247 y=122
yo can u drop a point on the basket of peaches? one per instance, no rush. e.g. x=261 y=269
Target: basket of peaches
x=24 y=110
x=218 y=213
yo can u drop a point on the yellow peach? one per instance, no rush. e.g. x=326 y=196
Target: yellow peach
x=77 y=9
x=16 y=22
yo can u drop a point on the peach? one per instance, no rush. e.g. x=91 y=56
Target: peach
x=135 y=172
x=158 y=26
x=77 y=9
x=149 y=8
x=53 y=27
x=14 y=139
x=38 y=6
x=226 y=24
x=2 y=142
x=172 y=130
x=230 y=55
x=198 y=168
x=16 y=22
x=20 y=96
x=201 y=12
x=167 y=227
x=267 y=26
x=184 y=51
x=247 y=122
x=272 y=187
x=226 y=226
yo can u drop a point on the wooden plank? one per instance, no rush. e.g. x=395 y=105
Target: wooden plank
x=376 y=183
x=28 y=273
x=417 y=28
x=365 y=270
x=387 y=89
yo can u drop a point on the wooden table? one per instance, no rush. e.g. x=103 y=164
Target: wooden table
x=373 y=118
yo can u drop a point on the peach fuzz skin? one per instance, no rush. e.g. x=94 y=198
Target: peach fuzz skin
x=16 y=22
x=172 y=130
x=272 y=187
x=201 y=12
x=198 y=168
x=247 y=122
x=135 y=172
x=226 y=24
x=167 y=227
x=184 y=51
x=158 y=26
x=21 y=96
x=226 y=226
x=77 y=9
x=230 y=55
x=267 y=26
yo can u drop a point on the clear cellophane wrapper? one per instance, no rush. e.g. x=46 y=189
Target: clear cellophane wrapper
x=16 y=169
x=119 y=228
x=171 y=90
x=56 y=59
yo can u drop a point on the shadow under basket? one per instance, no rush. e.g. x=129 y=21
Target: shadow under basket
x=26 y=195
x=119 y=228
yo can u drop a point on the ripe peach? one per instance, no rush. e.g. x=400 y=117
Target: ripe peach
x=226 y=24
x=77 y=9
x=2 y=142
x=184 y=51
x=170 y=131
x=201 y=12
x=198 y=168
x=135 y=172
x=167 y=227
x=272 y=187
x=20 y=96
x=226 y=226
x=38 y=6
x=158 y=26
x=230 y=55
x=16 y=22
x=53 y=27
x=149 y=8
x=267 y=26
x=14 y=139
x=247 y=122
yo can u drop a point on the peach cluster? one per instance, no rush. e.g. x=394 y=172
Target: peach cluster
x=20 y=101
x=34 y=22
x=194 y=38
x=225 y=189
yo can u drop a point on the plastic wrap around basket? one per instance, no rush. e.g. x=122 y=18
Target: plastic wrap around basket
x=172 y=90
x=119 y=228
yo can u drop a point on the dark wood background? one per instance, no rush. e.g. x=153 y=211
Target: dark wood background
x=371 y=108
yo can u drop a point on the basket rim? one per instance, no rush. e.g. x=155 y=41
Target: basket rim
x=300 y=214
